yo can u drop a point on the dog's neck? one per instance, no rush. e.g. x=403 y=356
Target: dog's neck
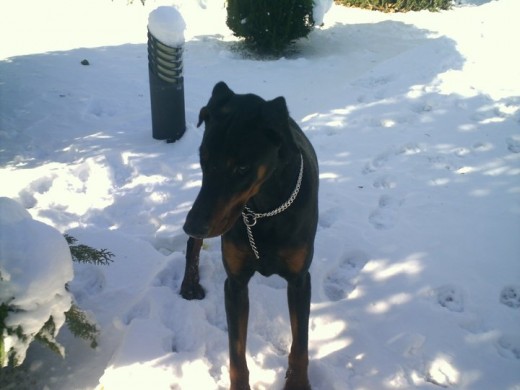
x=280 y=185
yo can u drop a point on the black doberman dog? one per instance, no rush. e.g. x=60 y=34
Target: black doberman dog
x=260 y=193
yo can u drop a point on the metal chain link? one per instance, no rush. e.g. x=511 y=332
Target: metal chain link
x=252 y=241
x=250 y=217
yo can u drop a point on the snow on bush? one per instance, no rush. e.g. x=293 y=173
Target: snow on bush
x=167 y=25
x=259 y=23
x=321 y=7
x=35 y=265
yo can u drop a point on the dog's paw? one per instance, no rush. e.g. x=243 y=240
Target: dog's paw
x=295 y=381
x=190 y=291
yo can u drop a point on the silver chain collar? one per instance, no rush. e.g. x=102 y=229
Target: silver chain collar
x=251 y=218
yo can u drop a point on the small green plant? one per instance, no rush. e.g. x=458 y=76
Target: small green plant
x=398 y=5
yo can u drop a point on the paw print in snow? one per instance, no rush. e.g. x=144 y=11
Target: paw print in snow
x=510 y=296
x=513 y=144
x=341 y=280
x=509 y=346
x=451 y=298
x=386 y=215
x=385 y=182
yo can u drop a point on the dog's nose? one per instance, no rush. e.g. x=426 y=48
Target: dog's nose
x=195 y=230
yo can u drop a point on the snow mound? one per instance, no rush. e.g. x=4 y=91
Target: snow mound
x=12 y=212
x=35 y=265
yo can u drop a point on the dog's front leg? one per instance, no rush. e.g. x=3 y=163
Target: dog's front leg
x=299 y=299
x=237 y=312
x=190 y=287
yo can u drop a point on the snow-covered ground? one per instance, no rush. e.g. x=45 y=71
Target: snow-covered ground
x=416 y=121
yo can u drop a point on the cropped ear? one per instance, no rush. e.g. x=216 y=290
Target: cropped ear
x=276 y=117
x=203 y=115
x=275 y=113
x=221 y=93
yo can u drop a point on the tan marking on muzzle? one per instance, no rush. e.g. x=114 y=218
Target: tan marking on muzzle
x=228 y=211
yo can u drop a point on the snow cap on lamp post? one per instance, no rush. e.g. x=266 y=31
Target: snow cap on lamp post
x=167 y=25
x=165 y=46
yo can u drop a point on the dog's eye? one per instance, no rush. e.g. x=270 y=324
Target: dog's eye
x=242 y=170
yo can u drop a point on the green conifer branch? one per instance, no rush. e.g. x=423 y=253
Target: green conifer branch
x=46 y=336
x=80 y=326
x=86 y=254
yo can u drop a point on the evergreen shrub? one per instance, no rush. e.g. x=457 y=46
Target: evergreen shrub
x=270 y=26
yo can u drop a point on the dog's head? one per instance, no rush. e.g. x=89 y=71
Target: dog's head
x=244 y=141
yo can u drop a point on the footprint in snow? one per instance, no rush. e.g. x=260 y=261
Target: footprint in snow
x=482 y=146
x=508 y=346
x=340 y=281
x=407 y=344
x=510 y=296
x=121 y=171
x=513 y=144
x=385 y=183
x=329 y=217
x=88 y=282
x=375 y=164
x=139 y=310
x=101 y=108
x=385 y=216
x=168 y=276
x=450 y=297
x=167 y=244
x=372 y=82
x=409 y=149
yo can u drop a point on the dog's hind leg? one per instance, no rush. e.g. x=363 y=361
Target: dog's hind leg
x=299 y=299
x=237 y=312
x=191 y=288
